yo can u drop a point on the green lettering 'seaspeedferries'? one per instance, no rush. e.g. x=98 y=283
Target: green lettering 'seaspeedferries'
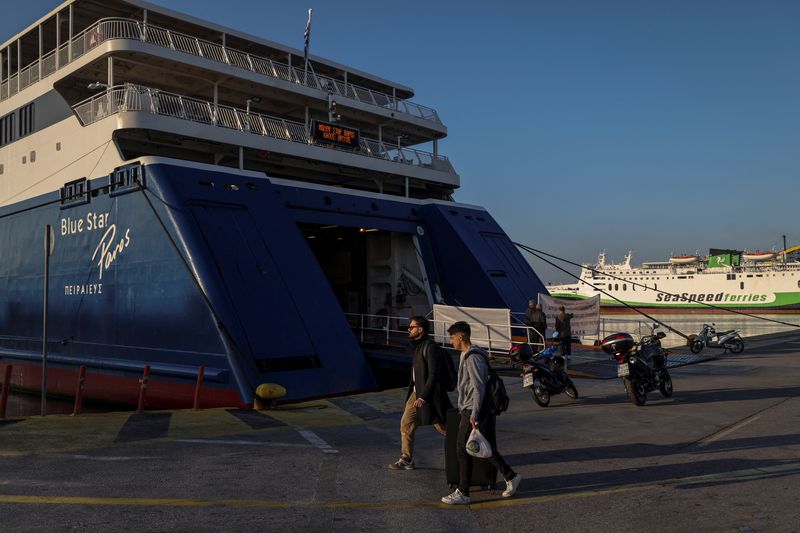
x=710 y=297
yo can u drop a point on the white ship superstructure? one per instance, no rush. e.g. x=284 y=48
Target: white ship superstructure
x=95 y=83
x=765 y=281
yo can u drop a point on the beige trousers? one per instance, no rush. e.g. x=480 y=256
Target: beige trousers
x=408 y=425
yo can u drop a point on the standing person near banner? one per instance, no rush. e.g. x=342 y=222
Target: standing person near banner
x=537 y=320
x=564 y=329
x=529 y=313
x=473 y=373
x=426 y=400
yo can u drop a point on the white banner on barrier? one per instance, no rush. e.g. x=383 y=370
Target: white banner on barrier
x=491 y=328
x=586 y=314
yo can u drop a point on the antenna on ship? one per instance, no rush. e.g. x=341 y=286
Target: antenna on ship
x=784 y=250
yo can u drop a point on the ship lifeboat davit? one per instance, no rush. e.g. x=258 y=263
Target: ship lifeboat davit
x=682 y=259
x=758 y=256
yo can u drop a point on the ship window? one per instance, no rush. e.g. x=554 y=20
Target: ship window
x=798 y=283
x=1 y=169
x=624 y=287
x=616 y=286
x=741 y=284
x=6 y=129
x=33 y=156
x=26 y=120
x=58 y=147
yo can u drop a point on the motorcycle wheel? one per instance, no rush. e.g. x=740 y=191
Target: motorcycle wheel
x=637 y=393
x=666 y=384
x=736 y=346
x=540 y=393
x=571 y=391
x=697 y=346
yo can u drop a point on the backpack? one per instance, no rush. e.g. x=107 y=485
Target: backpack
x=449 y=373
x=495 y=397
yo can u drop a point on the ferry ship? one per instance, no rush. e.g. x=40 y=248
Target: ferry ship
x=216 y=203
x=724 y=279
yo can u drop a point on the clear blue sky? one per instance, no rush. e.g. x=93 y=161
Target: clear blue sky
x=663 y=127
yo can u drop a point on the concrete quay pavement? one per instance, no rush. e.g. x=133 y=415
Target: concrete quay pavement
x=723 y=454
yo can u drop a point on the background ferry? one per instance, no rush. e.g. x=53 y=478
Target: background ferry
x=755 y=281
x=216 y=202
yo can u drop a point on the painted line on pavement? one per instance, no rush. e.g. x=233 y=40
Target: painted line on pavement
x=737 y=475
x=246 y=443
x=317 y=441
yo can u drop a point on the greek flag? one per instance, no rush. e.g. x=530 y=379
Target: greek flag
x=307 y=37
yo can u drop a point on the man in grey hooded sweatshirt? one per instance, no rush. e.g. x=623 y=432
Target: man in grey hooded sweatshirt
x=473 y=373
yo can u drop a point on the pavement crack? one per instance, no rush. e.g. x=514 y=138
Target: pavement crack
x=731 y=428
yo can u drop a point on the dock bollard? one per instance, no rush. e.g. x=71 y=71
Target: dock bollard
x=200 y=372
x=143 y=388
x=79 y=391
x=267 y=394
x=4 y=395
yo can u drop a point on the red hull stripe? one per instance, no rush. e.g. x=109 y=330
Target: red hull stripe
x=121 y=389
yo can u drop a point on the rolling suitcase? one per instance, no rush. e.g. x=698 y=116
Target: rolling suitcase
x=484 y=474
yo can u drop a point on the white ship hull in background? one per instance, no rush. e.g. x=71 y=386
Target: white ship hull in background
x=724 y=279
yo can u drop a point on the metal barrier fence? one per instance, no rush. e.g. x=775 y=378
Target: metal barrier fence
x=387 y=330
x=129 y=97
x=121 y=28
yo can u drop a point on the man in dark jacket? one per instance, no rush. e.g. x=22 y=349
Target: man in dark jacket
x=536 y=319
x=426 y=401
x=564 y=329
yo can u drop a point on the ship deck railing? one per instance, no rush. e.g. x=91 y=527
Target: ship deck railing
x=129 y=97
x=122 y=28
x=392 y=331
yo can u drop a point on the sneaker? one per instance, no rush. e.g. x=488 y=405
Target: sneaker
x=457 y=498
x=402 y=464
x=512 y=485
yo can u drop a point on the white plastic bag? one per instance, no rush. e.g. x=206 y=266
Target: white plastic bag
x=478 y=446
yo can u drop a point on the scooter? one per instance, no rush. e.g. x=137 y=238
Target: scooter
x=642 y=366
x=545 y=375
x=728 y=340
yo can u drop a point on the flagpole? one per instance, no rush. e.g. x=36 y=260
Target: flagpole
x=307 y=38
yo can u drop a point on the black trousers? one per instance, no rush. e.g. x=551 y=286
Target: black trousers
x=465 y=459
x=566 y=346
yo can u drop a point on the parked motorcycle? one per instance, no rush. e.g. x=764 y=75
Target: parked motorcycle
x=728 y=340
x=545 y=376
x=642 y=366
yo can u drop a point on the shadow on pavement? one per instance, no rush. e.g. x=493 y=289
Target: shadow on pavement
x=639 y=450
x=720 y=471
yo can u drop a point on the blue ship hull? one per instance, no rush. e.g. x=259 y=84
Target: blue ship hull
x=206 y=268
